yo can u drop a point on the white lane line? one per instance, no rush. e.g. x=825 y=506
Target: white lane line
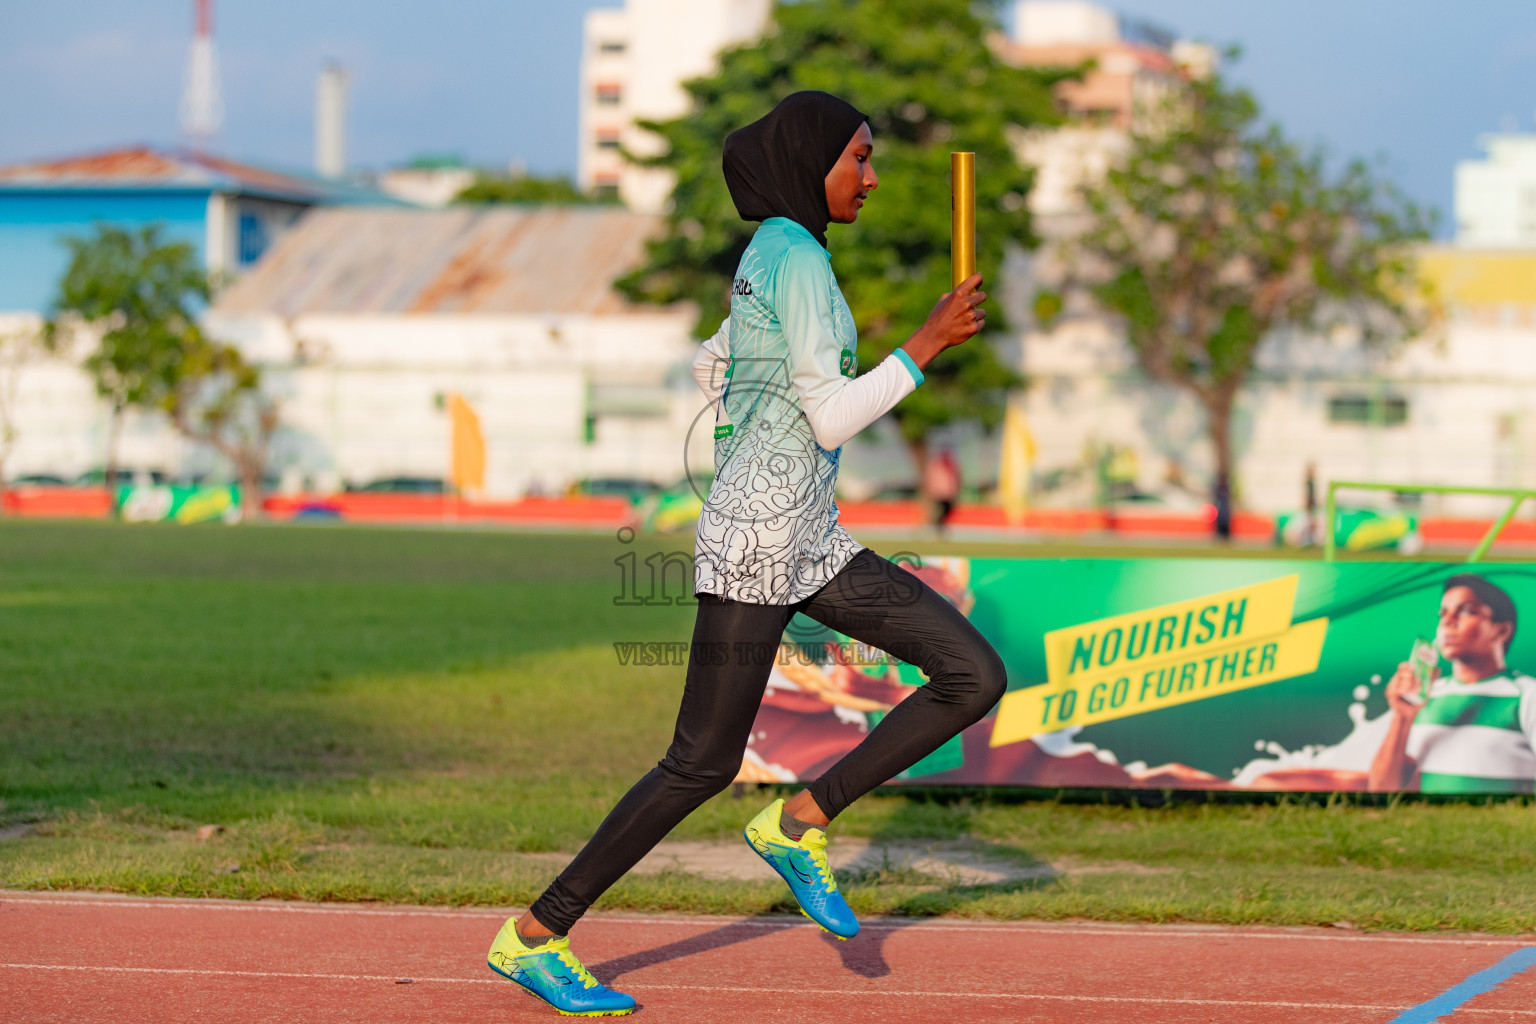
x=1168 y=931
x=856 y=992
x=158 y=903
x=1149 y=1000
x=213 y=972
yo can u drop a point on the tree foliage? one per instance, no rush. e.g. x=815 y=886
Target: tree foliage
x=141 y=296
x=142 y=293
x=1216 y=229
x=215 y=397
x=922 y=71
x=489 y=188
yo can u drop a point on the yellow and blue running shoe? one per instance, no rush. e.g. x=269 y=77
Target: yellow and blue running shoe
x=552 y=973
x=804 y=866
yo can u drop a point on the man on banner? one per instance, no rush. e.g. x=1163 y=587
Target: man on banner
x=1475 y=730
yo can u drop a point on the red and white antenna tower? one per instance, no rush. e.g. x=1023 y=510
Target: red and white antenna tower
x=202 y=108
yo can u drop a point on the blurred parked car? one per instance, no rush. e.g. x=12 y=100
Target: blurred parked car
x=125 y=475
x=632 y=488
x=403 y=485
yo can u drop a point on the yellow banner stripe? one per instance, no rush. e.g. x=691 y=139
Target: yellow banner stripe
x=1128 y=644
x=1192 y=676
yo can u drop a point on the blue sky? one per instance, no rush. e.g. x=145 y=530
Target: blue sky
x=1414 y=82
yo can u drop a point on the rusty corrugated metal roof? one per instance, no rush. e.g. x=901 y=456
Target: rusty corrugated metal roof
x=148 y=167
x=139 y=163
x=488 y=259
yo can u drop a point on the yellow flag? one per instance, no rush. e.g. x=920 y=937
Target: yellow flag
x=468 y=445
x=1017 y=458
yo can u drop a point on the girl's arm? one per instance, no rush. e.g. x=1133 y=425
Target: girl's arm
x=846 y=406
x=836 y=406
x=711 y=361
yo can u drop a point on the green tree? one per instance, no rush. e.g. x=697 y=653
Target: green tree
x=214 y=396
x=923 y=72
x=1215 y=230
x=489 y=188
x=139 y=296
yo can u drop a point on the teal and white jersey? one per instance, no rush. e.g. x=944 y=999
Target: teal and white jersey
x=1477 y=737
x=785 y=403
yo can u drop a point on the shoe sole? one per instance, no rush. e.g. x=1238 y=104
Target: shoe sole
x=767 y=860
x=829 y=931
x=530 y=993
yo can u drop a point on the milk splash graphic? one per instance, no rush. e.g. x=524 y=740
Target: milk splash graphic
x=1352 y=754
x=1345 y=762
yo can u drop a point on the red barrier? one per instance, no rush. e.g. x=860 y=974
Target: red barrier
x=1470 y=531
x=880 y=513
x=58 y=502
x=366 y=507
x=1058 y=520
x=612 y=512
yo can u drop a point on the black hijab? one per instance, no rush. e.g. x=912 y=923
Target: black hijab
x=777 y=165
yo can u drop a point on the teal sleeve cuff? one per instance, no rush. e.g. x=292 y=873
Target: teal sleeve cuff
x=917 y=375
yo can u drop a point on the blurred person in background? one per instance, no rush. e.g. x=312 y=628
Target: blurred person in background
x=1314 y=532
x=941 y=483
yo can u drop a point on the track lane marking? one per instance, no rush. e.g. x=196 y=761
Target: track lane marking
x=1486 y=980
x=901 y=993
x=1178 y=931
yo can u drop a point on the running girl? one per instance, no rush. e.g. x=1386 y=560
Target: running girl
x=781 y=375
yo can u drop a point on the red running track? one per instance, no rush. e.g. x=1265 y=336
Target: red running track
x=85 y=958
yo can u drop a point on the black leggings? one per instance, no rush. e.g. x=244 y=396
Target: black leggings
x=871 y=600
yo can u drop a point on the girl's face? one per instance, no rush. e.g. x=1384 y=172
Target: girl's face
x=851 y=178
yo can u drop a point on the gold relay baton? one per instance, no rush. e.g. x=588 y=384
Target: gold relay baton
x=962 y=206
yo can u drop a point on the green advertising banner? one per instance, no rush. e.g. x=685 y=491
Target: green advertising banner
x=179 y=503
x=1200 y=674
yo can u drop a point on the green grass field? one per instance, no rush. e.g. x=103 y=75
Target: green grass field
x=430 y=716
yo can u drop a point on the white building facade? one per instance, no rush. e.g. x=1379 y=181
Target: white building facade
x=363 y=321
x=1457 y=408
x=634 y=60
x=1496 y=197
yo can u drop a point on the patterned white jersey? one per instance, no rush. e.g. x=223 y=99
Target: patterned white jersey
x=785 y=403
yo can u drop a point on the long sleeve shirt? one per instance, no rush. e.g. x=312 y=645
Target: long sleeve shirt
x=781 y=376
